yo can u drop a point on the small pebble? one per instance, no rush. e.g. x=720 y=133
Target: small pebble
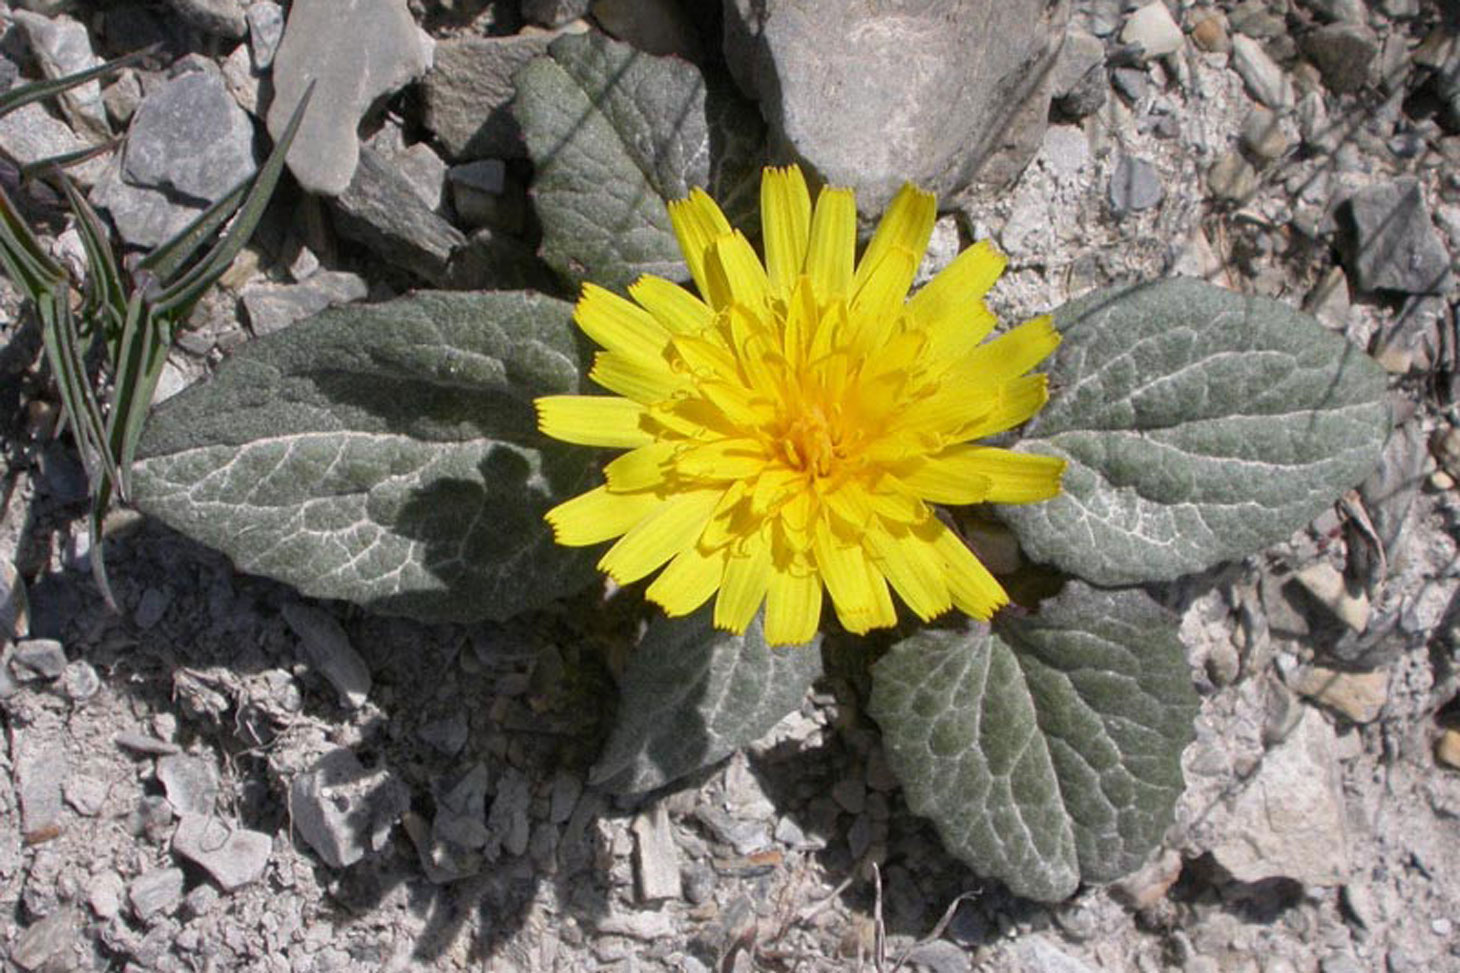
x=1447 y=749
x=104 y=894
x=79 y=681
x=141 y=743
x=38 y=659
x=38 y=943
x=156 y=892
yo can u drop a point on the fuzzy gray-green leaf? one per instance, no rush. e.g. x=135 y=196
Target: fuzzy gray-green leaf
x=386 y=454
x=1048 y=753
x=692 y=695
x=1109 y=679
x=613 y=133
x=1200 y=426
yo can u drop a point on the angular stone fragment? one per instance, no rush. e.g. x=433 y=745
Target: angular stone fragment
x=233 y=856
x=156 y=892
x=1288 y=821
x=381 y=210
x=938 y=94
x=273 y=307
x=189 y=137
x=342 y=810
x=327 y=648
x=40 y=772
x=38 y=658
x=1391 y=242
x=39 y=942
x=191 y=783
x=265 y=30
x=656 y=859
x=468 y=92
x=62 y=45
x=1153 y=28
x=1265 y=80
x=1343 y=54
x=356 y=51
x=1360 y=696
x=221 y=18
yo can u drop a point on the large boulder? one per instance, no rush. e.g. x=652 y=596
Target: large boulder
x=940 y=92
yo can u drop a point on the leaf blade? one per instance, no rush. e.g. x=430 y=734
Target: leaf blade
x=1199 y=426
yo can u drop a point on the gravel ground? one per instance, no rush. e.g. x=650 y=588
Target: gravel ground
x=223 y=775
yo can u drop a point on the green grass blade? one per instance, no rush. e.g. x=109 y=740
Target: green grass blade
x=105 y=296
x=164 y=262
x=23 y=95
x=45 y=166
x=176 y=299
x=26 y=261
x=101 y=500
x=67 y=358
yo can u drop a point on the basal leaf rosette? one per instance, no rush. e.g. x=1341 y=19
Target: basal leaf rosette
x=791 y=427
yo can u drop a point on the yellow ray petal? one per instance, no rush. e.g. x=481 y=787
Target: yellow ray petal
x=673 y=527
x=905 y=229
x=858 y=591
x=620 y=325
x=688 y=581
x=950 y=306
x=792 y=606
x=914 y=567
x=1010 y=354
x=598 y=515
x=674 y=307
x=974 y=590
x=833 y=244
x=723 y=459
x=747 y=575
x=593 y=420
x=1018 y=400
x=640 y=469
x=785 y=215
x=734 y=274
x=878 y=299
x=635 y=378
x=966 y=473
x=698 y=222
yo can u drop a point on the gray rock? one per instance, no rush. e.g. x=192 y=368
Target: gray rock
x=104 y=894
x=1132 y=83
x=30 y=134
x=656 y=859
x=156 y=892
x=483 y=196
x=1263 y=135
x=265 y=29
x=242 y=81
x=273 y=307
x=1391 y=488
x=189 y=137
x=422 y=168
x=1078 y=85
x=941 y=956
x=659 y=27
x=508 y=826
x=63 y=46
x=40 y=770
x=746 y=837
x=38 y=658
x=1400 y=9
x=13 y=611
x=1232 y=179
x=222 y=18
x=563 y=796
x=447 y=735
x=1256 y=19
x=1289 y=822
x=143 y=217
x=553 y=13
x=191 y=783
x=344 y=811
x=1104 y=16
x=86 y=794
x=1134 y=186
x=1153 y=29
x=1265 y=80
x=1343 y=53
x=939 y=95
x=233 y=856
x=122 y=97
x=381 y=210
x=1038 y=955
x=327 y=649
x=356 y=51
x=1391 y=242
x=461 y=811
x=1352 y=11
x=79 y=681
x=40 y=941
x=141 y=743
x=469 y=90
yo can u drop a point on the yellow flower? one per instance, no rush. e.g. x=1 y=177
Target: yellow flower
x=790 y=427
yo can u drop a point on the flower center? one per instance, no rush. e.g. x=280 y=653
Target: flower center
x=812 y=444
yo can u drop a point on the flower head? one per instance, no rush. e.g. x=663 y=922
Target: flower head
x=788 y=429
